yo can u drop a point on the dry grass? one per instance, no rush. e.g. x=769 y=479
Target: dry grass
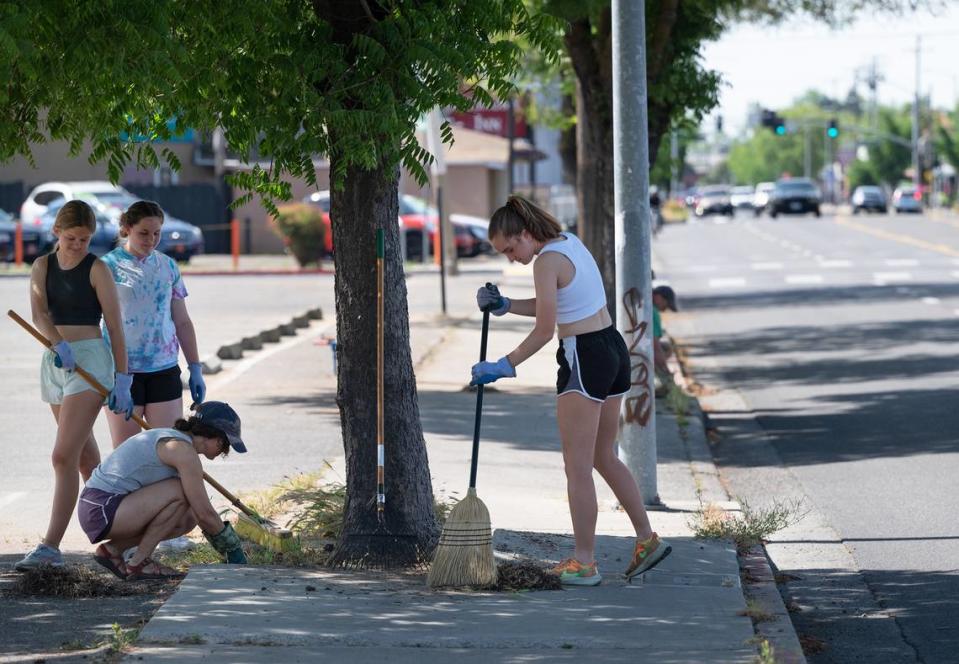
x=516 y=575
x=77 y=582
x=756 y=613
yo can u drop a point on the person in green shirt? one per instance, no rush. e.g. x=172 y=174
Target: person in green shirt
x=663 y=298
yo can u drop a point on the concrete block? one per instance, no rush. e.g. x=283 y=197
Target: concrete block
x=270 y=336
x=252 y=343
x=230 y=351
x=300 y=321
x=314 y=314
x=211 y=365
x=287 y=329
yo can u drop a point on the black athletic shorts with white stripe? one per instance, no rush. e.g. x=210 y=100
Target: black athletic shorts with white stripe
x=595 y=364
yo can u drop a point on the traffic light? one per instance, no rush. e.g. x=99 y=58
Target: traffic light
x=772 y=120
x=832 y=129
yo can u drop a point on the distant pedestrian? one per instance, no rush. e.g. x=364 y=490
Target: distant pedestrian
x=663 y=298
x=156 y=325
x=593 y=376
x=151 y=489
x=70 y=291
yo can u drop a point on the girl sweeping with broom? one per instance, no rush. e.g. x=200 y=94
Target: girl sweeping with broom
x=594 y=374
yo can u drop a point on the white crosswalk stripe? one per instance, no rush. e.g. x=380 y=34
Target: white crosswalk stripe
x=767 y=266
x=835 y=263
x=727 y=282
x=804 y=279
x=887 y=277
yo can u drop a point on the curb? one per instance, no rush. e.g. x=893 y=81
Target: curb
x=758 y=582
x=759 y=587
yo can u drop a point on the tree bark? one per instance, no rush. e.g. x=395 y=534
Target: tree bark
x=407 y=533
x=592 y=61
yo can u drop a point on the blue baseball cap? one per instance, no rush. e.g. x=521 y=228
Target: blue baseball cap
x=219 y=415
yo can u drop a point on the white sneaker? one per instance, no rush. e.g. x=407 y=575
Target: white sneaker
x=181 y=543
x=42 y=555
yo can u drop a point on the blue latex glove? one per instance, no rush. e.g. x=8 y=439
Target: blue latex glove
x=63 y=356
x=488 y=297
x=120 y=401
x=487 y=372
x=197 y=386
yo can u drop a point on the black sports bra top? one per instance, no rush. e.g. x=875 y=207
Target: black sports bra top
x=71 y=299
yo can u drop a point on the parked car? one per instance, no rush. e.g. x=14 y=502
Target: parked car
x=470 y=234
x=179 y=239
x=714 y=200
x=742 y=197
x=868 y=198
x=41 y=196
x=794 y=196
x=104 y=238
x=8 y=236
x=761 y=197
x=907 y=199
x=321 y=199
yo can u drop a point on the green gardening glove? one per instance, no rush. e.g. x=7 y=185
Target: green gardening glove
x=227 y=542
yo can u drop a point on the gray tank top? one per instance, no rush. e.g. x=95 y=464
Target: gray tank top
x=135 y=464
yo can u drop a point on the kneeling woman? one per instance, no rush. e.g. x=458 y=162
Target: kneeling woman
x=151 y=489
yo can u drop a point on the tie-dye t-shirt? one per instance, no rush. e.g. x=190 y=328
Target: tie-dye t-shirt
x=147 y=288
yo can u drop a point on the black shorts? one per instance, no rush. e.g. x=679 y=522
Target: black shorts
x=156 y=386
x=595 y=364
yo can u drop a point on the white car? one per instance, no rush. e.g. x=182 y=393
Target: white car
x=38 y=200
x=761 y=197
x=742 y=197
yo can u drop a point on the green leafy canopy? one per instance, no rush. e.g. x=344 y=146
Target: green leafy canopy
x=284 y=83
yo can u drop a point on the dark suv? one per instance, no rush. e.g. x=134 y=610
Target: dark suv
x=794 y=196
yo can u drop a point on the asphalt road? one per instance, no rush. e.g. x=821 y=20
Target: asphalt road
x=834 y=346
x=285 y=392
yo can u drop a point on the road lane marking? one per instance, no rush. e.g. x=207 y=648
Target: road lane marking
x=901 y=262
x=887 y=277
x=930 y=300
x=242 y=366
x=897 y=237
x=767 y=266
x=804 y=279
x=835 y=263
x=11 y=498
x=727 y=282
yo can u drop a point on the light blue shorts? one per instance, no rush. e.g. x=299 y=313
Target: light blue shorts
x=93 y=355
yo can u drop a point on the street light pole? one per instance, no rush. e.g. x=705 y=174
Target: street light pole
x=916 y=174
x=637 y=441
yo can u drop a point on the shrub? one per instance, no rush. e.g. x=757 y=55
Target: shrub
x=302 y=229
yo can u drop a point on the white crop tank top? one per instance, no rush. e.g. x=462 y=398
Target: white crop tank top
x=584 y=295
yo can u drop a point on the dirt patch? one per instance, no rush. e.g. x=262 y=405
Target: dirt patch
x=74 y=614
x=525 y=575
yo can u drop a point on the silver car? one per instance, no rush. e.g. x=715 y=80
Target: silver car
x=907 y=199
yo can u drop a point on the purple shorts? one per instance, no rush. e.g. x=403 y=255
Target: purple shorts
x=96 y=510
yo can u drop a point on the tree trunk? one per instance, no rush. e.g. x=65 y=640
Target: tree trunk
x=590 y=55
x=407 y=533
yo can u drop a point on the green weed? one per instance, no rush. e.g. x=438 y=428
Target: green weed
x=751 y=526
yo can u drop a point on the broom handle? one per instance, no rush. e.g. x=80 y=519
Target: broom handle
x=380 y=446
x=96 y=385
x=479 y=402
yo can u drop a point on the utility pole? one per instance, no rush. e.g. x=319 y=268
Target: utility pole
x=916 y=173
x=807 y=151
x=674 y=163
x=637 y=436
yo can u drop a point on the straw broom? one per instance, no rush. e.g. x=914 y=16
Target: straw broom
x=464 y=555
x=249 y=524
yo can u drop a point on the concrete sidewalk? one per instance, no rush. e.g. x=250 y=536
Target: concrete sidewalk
x=689 y=609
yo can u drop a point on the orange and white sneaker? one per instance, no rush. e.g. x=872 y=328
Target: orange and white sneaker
x=647 y=554
x=571 y=572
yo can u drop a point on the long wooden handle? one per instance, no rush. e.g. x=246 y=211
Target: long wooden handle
x=95 y=384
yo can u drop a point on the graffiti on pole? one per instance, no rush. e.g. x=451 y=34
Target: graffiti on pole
x=638 y=408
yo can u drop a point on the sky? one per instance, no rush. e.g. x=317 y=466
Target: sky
x=773 y=67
